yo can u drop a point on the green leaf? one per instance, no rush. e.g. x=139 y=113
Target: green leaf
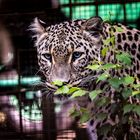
x=104 y=51
x=109 y=66
x=128 y=80
x=103 y=77
x=74 y=112
x=115 y=82
x=73 y=89
x=136 y=86
x=101 y=116
x=132 y=107
x=84 y=117
x=137 y=109
x=124 y=58
x=78 y=93
x=113 y=40
x=119 y=29
x=65 y=89
x=58 y=91
x=128 y=108
x=57 y=83
x=105 y=129
x=93 y=94
x=93 y=67
x=102 y=101
x=94 y=62
x=135 y=93
x=108 y=40
x=127 y=92
x=62 y=90
x=83 y=110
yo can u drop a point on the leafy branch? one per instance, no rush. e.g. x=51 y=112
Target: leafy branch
x=125 y=85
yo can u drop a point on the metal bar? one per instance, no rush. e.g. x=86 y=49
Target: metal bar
x=49 y=124
x=96 y=4
x=124 y=10
x=70 y=5
x=19 y=95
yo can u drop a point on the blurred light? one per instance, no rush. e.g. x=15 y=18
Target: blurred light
x=24 y=81
x=2 y=117
x=30 y=112
x=29 y=94
x=86 y=11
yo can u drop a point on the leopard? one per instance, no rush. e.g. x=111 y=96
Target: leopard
x=65 y=50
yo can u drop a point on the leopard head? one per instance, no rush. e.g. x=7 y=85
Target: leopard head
x=65 y=50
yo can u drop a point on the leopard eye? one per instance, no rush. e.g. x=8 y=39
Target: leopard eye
x=76 y=55
x=47 y=56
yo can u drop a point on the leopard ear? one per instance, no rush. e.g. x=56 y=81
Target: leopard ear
x=38 y=27
x=93 y=25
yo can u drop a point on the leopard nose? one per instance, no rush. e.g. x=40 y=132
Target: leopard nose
x=62 y=76
x=60 y=73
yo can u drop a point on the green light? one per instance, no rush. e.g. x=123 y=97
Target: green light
x=82 y=1
x=1 y=67
x=24 y=81
x=30 y=80
x=133 y=25
x=66 y=10
x=133 y=11
x=115 y=9
x=13 y=100
x=84 y=12
x=28 y=114
x=58 y=108
x=8 y=82
x=32 y=112
x=29 y=94
x=75 y=1
x=64 y=1
x=26 y=108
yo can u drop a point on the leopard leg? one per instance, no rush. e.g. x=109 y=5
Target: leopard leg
x=92 y=132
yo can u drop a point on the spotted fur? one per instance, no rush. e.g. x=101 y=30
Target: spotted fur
x=66 y=49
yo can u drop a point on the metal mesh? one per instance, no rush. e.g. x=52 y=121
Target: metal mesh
x=127 y=12
x=27 y=109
